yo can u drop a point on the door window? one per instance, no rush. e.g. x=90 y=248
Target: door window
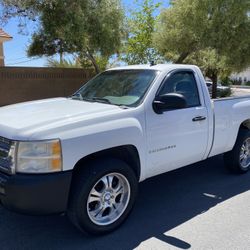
x=182 y=83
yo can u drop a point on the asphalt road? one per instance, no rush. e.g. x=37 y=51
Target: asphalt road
x=201 y=206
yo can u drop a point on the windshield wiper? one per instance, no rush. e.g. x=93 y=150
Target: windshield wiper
x=97 y=99
x=90 y=99
x=101 y=99
x=106 y=100
x=79 y=96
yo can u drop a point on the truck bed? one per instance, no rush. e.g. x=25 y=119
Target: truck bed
x=228 y=112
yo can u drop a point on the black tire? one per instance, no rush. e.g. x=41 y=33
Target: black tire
x=85 y=181
x=232 y=158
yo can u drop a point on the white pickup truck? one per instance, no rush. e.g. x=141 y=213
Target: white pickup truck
x=85 y=154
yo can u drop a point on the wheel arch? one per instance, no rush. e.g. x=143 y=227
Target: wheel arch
x=245 y=124
x=127 y=153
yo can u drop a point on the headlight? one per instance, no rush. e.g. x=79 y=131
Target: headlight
x=39 y=157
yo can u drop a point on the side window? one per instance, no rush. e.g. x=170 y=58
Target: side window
x=183 y=83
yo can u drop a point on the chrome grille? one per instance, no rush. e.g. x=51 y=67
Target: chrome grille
x=5 y=160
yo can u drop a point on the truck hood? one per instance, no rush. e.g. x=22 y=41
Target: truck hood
x=20 y=121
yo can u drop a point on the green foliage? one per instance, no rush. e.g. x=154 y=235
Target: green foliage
x=79 y=62
x=213 y=34
x=23 y=9
x=63 y=64
x=225 y=93
x=176 y=31
x=226 y=81
x=236 y=82
x=45 y=44
x=101 y=61
x=82 y=27
x=139 y=48
x=210 y=63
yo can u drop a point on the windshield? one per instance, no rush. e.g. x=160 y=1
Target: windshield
x=118 y=87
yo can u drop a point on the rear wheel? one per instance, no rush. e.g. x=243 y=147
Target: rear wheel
x=102 y=196
x=238 y=159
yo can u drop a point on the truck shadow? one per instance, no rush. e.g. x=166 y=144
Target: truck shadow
x=164 y=202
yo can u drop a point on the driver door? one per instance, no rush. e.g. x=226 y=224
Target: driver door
x=177 y=137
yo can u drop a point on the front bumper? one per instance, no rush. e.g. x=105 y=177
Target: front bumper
x=35 y=193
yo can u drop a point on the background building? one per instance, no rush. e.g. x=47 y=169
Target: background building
x=4 y=37
x=242 y=77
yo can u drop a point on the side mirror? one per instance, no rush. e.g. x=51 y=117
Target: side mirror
x=169 y=102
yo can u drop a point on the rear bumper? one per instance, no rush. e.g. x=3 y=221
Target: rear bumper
x=35 y=194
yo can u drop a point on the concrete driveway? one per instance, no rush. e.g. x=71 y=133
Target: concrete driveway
x=201 y=206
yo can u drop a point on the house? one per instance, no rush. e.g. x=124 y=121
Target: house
x=4 y=37
x=242 y=77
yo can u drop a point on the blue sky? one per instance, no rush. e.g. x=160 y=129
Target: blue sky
x=14 y=50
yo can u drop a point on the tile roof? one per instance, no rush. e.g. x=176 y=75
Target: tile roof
x=4 y=34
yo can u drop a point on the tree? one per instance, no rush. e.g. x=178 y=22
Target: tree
x=212 y=65
x=101 y=61
x=85 y=28
x=22 y=9
x=139 y=48
x=53 y=63
x=212 y=33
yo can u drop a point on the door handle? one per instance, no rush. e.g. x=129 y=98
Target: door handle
x=199 y=118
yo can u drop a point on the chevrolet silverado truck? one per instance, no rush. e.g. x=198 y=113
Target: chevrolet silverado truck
x=85 y=155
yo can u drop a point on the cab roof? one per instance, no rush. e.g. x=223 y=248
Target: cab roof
x=158 y=67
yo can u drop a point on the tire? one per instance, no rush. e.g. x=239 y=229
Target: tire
x=102 y=195
x=238 y=159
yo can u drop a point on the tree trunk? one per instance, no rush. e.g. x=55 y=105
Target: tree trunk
x=61 y=57
x=93 y=61
x=61 y=52
x=214 y=79
x=182 y=57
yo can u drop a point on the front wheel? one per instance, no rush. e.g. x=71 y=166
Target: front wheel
x=102 y=196
x=238 y=159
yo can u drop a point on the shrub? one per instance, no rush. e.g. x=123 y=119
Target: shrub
x=236 y=82
x=225 y=93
